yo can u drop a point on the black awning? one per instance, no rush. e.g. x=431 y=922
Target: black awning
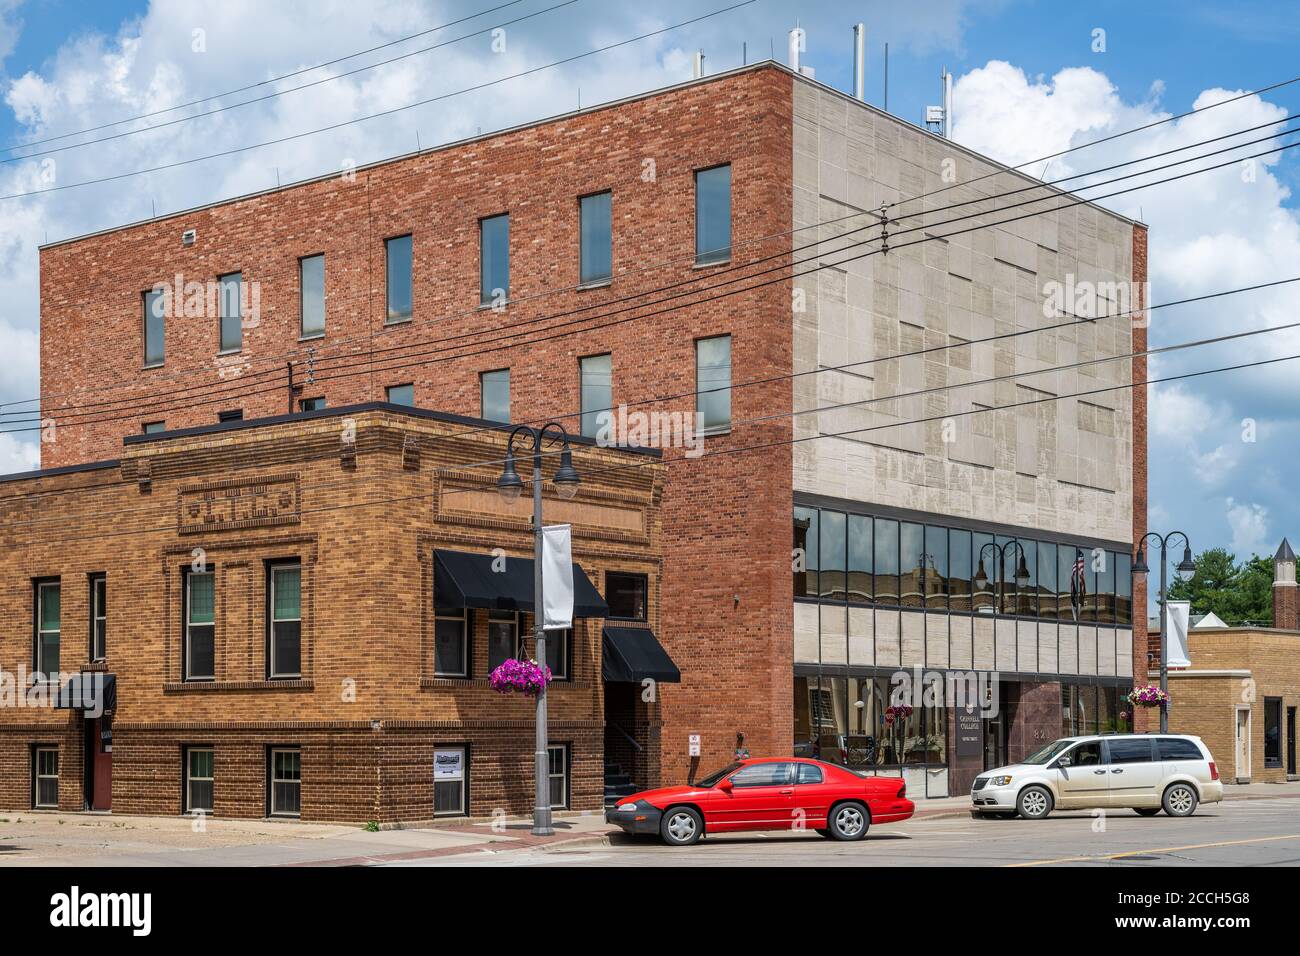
x=469 y=580
x=632 y=654
x=92 y=691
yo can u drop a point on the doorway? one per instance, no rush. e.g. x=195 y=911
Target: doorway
x=1290 y=741
x=1242 y=769
x=99 y=751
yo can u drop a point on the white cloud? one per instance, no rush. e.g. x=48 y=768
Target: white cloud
x=1249 y=524
x=18 y=455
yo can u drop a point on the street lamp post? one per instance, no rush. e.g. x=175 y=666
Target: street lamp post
x=510 y=487
x=1185 y=570
x=1000 y=552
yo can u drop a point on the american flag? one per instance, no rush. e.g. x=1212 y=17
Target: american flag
x=1078 y=585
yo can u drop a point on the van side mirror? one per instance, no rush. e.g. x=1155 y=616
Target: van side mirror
x=1064 y=762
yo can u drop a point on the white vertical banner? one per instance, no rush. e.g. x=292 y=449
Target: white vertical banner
x=1178 y=613
x=557 y=577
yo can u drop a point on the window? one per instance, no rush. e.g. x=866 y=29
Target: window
x=503 y=637
x=1174 y=748
x=1130 y=750
x=285 y=621
x=155 y=305
x=153 y=428
x=595 y=225
x=1085 y=755
x=310 y=404
x=557 y=759
x=713 y=383
x=804 y=554
x=286 y=782
x=494 y=259
x=311 y=299
x=450 y=642
x=232 y=320
x=400 y=394
x=98 y=617
x=494 y=389
x=886 y=576
x=49 y=628
x=833 y=550
x=397 y=265
x=1272 y=731
x=1047 y=567
x=911 y=555
x=809 y=774
x=557 y=652
x=713 y=215
x=45 y=777
x=199 y=763
x=200 y=625
x=934 y=568
x=231 y=415
x=595 y=378
x=775 y=774
x=626 y=595
x=450 y=773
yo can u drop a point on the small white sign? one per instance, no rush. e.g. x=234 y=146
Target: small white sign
x=694 y=745
x=448 y=764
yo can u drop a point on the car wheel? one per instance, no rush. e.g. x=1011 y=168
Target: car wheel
x=681 y=826
x=1180 y=800
x=849 y=821
x=1146 y=811
x=1034 y=803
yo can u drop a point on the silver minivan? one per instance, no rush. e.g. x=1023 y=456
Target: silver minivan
x=1142 y=772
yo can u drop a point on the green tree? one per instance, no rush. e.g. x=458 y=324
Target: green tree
x=1237 y=593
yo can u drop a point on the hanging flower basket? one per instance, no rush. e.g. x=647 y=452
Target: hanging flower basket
x=1148 y=696
x=524 y=677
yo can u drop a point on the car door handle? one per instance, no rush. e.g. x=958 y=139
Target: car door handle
x=1099 y=771
x=1118 y=770
x=787 y=791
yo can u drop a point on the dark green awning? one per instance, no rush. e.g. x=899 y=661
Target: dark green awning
x=632 y=654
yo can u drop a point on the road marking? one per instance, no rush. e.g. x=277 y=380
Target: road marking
x=1168 y=849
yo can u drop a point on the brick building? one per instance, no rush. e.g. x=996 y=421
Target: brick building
x=1241 y=693
x=514 y=277
x=259 y=601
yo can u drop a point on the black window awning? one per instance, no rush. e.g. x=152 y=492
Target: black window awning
x=461 y=579
x=632 y=654
x=92 y=691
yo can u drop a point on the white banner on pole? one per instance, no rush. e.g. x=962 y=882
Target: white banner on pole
x=557 y=577
x=1178 y=613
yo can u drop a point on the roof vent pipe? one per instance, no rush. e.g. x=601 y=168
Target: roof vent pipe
x=860 y=62
x=699 y=63
x=797 y=46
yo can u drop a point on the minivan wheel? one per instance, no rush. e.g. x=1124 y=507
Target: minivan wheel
x=1034 y=803
x=849 y=821
x=681 y=826
x=1180 y=800
x=1146 y=811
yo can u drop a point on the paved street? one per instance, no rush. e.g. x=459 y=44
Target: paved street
x=1260 y=832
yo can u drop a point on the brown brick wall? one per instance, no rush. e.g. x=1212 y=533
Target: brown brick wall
x=367 y=711
x=1144 y=719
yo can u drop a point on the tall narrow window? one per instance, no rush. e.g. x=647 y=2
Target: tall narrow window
x=311 y=276
x=285 y=782
x=285 y=640
x=596 y=254
x=713 y=383
x=45 y=774
x=494 y=395
x=503 y=637
x=154 y=329
x=231 y=289
x=557 y=760
x=595 y=373
x=200 y=625
x=1272 y=731
x=451 y=642
x=49 y=627
x=557 y=652
x=713 y=215
x=199 y=779
x=400 y=394
x=494 y=259
x=450 y=773
x=397 y=265
x=98 y=617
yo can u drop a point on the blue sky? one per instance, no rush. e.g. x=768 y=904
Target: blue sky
x=1028 y=82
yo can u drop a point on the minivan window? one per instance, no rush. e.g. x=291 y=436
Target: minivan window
x=1175 y=748
x=1130 y=750
x=1040 y=757
x=1085 y=755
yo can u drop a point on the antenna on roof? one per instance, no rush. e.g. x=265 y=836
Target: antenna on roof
x=699 y=64
x=744 y=53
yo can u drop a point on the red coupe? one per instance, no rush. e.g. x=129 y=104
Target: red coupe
x=766 y=794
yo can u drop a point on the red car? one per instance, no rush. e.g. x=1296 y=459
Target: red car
x=766 y=794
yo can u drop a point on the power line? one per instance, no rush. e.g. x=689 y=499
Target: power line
x=389 y=112
x=295 y=89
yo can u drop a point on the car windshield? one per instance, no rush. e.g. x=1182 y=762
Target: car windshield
x=1047 y=753
x=713 y=779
